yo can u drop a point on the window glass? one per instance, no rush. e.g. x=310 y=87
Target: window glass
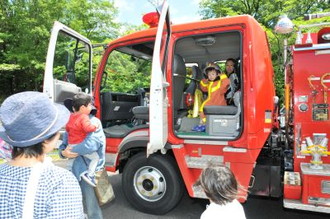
x=72 y=60
x=125 y=73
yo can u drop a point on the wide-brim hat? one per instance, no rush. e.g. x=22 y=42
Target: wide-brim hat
x=29 y=118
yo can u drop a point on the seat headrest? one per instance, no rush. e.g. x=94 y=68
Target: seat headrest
x=178 y=65
x=196 y=73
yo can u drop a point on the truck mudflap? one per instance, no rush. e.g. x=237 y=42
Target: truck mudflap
x=267 y=180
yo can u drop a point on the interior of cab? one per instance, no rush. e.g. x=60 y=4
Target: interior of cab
x=222 y=122
x=126 y=82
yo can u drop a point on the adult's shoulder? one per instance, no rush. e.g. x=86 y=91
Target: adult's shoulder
x=58 y=175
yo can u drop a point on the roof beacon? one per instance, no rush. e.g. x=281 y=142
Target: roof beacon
x=151 y=19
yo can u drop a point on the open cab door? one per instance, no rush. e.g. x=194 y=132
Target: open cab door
x=68 y=65
x=158 y=131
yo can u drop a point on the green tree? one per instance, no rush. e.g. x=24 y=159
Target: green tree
x=125 y=73
x=267 y=12
x=25 y=31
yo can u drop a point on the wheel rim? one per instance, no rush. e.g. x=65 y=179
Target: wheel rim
x=149 y=183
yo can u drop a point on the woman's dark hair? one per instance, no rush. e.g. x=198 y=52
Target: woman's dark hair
x=81 y=99
x=31 y=151
x=234 y=61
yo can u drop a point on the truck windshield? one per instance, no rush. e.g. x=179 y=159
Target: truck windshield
x=126 y=72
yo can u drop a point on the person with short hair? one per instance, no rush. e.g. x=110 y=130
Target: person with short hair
x=30 y=186
x=78 y=127
x=94 y=142
x=216 y=86
x=221 y=188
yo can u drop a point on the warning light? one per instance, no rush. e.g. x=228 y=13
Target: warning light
x=151 y=19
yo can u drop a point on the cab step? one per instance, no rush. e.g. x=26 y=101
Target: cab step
x=203 y=161
x=198 y=192
x=297 y=204
x=110 y=162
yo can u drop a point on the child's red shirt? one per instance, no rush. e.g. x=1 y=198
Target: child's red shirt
x=78 y=127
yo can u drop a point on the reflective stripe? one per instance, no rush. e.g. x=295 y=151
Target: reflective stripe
x=211 y=89
x=203 y=84
x=215 y=88
x=208 y=96
x=222 y=76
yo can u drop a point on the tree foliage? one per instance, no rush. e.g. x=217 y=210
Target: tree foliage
x=125 y=73
x=267 y=12
x=25 y=31
x=26 y=24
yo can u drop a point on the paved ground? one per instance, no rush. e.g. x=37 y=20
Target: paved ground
x=189 y=208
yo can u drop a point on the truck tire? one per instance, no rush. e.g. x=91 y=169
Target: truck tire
x=152 y=185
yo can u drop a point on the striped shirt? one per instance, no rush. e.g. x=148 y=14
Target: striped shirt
x=58 y=194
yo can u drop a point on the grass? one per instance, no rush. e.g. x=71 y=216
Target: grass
x=53 y=154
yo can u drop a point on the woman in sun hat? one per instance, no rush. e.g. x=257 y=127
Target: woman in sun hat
x=30 y=187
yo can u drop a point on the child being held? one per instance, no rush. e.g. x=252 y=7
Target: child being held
x=221 y=188
x=78 y=127
x=216 y=85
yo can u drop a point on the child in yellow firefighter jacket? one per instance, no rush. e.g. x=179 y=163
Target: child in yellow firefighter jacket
x=216 y=86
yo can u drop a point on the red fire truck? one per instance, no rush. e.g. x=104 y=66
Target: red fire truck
x=149 y=125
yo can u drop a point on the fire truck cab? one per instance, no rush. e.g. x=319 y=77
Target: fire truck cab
x=148 y=123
